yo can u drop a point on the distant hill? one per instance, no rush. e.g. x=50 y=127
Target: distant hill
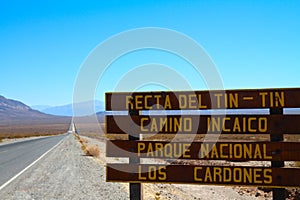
x=14 y=112
x=12 y=109
x=40 y=107
x=67 y=110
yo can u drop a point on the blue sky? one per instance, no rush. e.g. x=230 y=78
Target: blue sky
x=254 y=44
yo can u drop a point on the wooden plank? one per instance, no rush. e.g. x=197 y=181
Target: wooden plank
x=192 y=124
x=208 y=175
x=201 y=100
x=232 y=151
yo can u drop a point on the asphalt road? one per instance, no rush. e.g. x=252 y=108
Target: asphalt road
x=17 y=156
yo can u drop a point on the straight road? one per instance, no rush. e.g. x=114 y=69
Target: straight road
x=17 y=156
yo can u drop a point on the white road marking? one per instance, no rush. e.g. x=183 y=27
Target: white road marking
x=21 y=172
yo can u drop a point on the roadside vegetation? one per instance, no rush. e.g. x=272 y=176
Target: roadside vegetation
x=88 y=149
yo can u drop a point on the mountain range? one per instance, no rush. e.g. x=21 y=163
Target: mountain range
x=82 y=109
x=16 y=112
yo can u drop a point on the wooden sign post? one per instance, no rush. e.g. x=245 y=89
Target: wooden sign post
x=278 y=193
x=276 y=124
x=135 y=189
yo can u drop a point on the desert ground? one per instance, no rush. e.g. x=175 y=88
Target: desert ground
x=75 y=169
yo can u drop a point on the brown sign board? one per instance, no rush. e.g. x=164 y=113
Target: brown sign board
x=193 y=124
x=201 y=100
x=232 y=151
x=208 y=175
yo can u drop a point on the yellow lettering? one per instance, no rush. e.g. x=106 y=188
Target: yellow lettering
x=236 y=125
x=226 y=175
x=140 y=174
x=186 y=151
x=262 y=124
x=192 y=101
x=146 y=101
x=204 y=151
x=196 y=178
x=265 y=152
x=271 y=100
x=168 y=150
x=268 y=176
x=237 y=175
x=170 y=125
x=177 y=150
x=188 y=124
x=182 y=101
x=263 y=98
x=142 y=124
x=250 y=129
x=129 y=104
x=234 y=100
x=257 y=152
x=257 y=175
x=177 y=124
x=139 y=102
x=247 y=151
x=224 y=124
x=167 y=103
x=153 y=127
x=214 y=124
x=163 y=123
x=158 y=149
x=200 y=102
x=221 y=150
x=238 y=151
x=152 y=172
x=247 y=175
x=218 y=96
x=162 y=171
x=158 y=97
x=150 y=151
x=214 y=152
x=207 y=175
x=141 y=147
x=279 y=99
x=217 y=173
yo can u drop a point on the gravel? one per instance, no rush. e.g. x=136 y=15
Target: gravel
x=65 y=173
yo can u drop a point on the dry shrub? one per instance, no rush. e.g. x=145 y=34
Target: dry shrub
x=83 y=140
x=157 y=196
x=297 y=163
x=92 y=150
x=83 y=148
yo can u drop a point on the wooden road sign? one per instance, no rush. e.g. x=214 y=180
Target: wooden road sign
x=192 y=124
x=276 y=124
x=208 y=175
x=232 y=151
x=201 y=100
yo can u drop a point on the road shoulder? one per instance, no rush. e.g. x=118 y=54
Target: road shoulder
x=65 y=173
